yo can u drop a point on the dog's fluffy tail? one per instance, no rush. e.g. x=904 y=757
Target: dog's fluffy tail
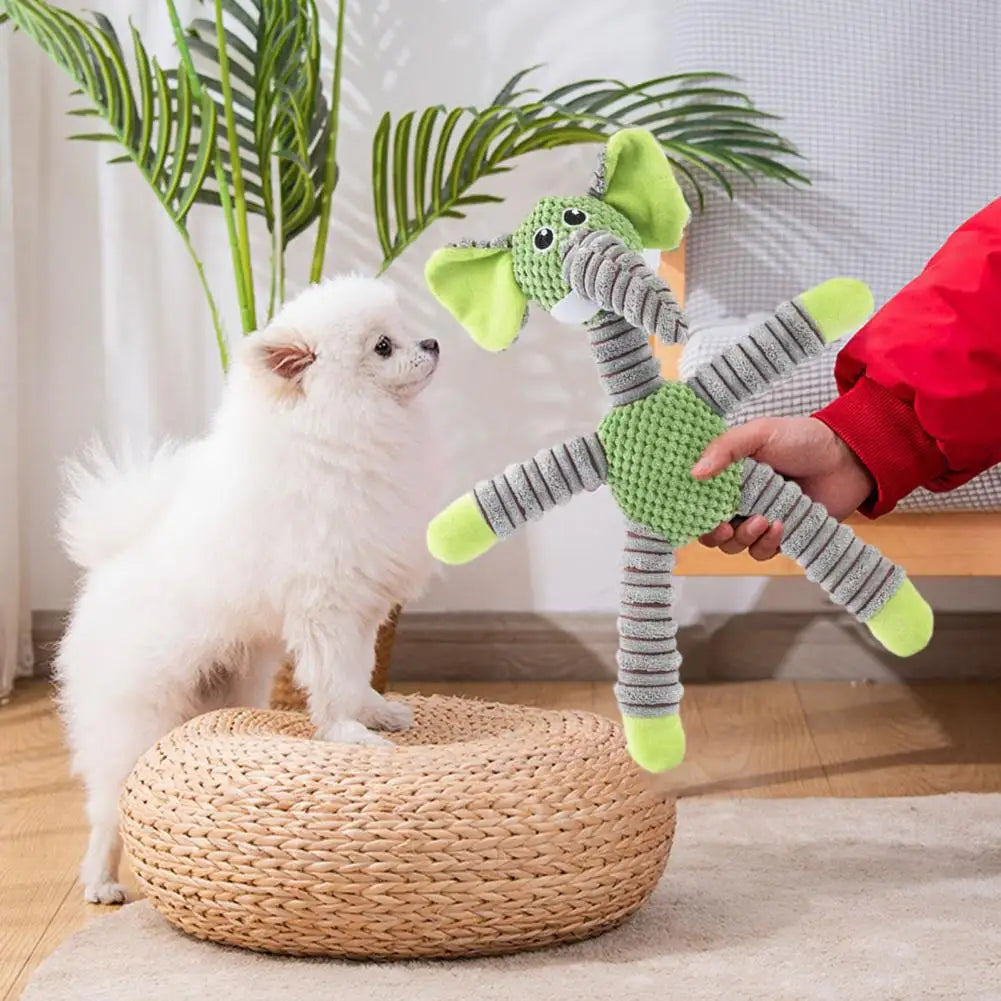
x=108 y=504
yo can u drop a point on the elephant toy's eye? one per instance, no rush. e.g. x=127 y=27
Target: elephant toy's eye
x=574 y=217
x=543 y=238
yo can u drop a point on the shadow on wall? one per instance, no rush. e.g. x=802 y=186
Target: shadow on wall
x=493 y=410
x=764 y=237
x=498 y=410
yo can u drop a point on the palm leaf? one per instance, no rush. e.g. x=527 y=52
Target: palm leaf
x=280 y=112
x=709 y=129
x=700 y=120
x=168 y=133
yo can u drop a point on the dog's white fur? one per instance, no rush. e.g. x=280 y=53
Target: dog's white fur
x=294 y=525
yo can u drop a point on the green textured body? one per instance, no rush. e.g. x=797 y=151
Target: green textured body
x=651 y=446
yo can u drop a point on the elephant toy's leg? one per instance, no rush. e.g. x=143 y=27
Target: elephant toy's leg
x=798 y=330
x=524 y=492
x=855 y=575
x=649 y=687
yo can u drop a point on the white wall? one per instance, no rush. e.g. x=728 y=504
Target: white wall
x=118 y=337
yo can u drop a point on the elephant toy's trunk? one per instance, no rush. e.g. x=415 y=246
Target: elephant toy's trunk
x=599 y=267
x=635 y=304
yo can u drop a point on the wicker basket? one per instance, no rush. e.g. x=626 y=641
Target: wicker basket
x=287 y=695
x=488 y=830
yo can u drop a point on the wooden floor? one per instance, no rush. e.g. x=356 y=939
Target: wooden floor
x=756 y=739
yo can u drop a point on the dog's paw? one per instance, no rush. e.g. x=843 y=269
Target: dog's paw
x=105 y=893
x=350 y=731
x=386 y=715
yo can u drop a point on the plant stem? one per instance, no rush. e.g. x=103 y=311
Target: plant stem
x=220 y=175
x=277 y=290
x=281 y=272
x=226 y=203
x=273 y=279
x=220 y=335
x=330 y=163
x=247 y=308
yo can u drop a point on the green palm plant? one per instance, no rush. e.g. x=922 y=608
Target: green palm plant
x=243 y=122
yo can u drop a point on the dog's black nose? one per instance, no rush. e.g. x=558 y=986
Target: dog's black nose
x=430 y=345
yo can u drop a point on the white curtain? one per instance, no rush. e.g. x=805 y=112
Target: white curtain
x=100 y=312
x=15 y=617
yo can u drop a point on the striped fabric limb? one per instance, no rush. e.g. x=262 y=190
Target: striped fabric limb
x=622 y=356
x=597 y=266
x=648 y=658
x=764 y=355
x=855 y=575
x=525 y=491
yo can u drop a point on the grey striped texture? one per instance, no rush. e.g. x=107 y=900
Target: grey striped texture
x=525 y=491
x=599 y=267
x=648 y=659
x=622 y=356
x=854 y=574
x=766 y=354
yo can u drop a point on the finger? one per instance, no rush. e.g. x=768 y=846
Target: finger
x=719 y=535
x=732 y=548
x=730 y=447
x=746 y=535
x=751 y=530
x=768 y=545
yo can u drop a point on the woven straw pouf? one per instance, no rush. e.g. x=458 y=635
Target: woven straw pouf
x=488 y=829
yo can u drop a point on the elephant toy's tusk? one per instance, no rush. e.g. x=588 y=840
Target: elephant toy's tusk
x=573 y=308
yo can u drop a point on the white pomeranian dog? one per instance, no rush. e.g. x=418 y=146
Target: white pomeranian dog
x=290 y=529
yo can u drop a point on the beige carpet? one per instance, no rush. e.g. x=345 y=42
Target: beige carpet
x=785 y=900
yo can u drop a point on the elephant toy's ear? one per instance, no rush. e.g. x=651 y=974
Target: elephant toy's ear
x=476 y=285
x=637 y=179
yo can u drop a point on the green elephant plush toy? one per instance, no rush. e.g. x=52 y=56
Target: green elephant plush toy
x=592 y=260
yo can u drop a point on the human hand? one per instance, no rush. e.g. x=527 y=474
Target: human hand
x=802 y=449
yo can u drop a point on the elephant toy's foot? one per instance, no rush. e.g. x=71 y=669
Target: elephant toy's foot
x=655 y=743
x=905 y=623
x=837 y=306
x=460 y=533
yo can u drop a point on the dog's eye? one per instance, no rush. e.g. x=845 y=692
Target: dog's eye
x=574 y=217
x=543 y=238
x=384 y=347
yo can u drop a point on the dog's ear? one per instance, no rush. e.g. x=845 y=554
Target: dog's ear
x=283 y=354
x=288 y=360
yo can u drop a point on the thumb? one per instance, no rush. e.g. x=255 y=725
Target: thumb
x=730 y=447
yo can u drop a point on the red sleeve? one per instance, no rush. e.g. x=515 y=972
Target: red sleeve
x=920 y=383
